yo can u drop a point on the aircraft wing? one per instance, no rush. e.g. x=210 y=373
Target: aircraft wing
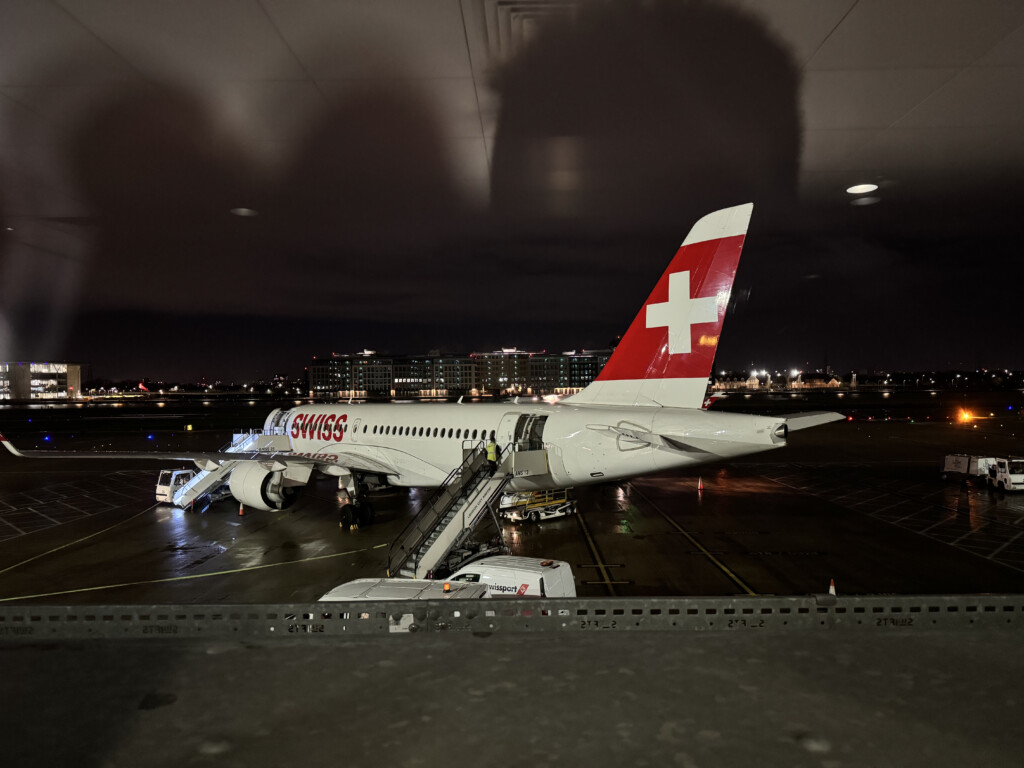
x=811 y=419
x=210 y=459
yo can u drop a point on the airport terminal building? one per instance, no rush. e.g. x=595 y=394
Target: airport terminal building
x=40 y=381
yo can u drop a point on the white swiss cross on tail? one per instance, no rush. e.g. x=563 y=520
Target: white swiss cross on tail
x=665 y=357
x=680 y=312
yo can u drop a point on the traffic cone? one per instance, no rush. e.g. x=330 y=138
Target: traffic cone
x=832 y=587
x=241 y=510
x=700 y=483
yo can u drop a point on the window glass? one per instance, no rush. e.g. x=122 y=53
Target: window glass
x=474 y=434
x=459 y=434
x=450 y=431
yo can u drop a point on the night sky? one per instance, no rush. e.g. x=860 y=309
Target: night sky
x=601 y=163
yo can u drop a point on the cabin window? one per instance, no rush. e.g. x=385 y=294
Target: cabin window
x=474 y=434
x=450 y=431
x=375 y=429
x=387 y=430
x=458 y=434
x=421 y=432
x=364 y=428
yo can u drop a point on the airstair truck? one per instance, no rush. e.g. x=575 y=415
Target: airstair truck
x=173 y=480
x=1007 y=474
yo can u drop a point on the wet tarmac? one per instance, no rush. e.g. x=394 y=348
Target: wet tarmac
x=860 y=502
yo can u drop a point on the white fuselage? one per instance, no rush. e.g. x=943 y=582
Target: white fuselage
x=419 y=444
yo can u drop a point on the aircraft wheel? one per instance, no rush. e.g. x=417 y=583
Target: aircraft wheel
x=347 y=517
x=534 y=517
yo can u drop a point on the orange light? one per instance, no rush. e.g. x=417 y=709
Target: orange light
x=965 y=416
x=447 y=587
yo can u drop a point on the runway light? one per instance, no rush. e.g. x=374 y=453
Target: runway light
x=244 y=212
x=965 y=416
x=860 y=189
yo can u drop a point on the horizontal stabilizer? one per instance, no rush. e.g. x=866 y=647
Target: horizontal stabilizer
x=811 y=419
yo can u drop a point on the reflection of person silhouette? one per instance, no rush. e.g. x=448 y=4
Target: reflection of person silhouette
x=684 y=79
x=492 y=454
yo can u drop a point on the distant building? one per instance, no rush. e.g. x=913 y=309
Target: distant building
x=567 y=373
x=815 y=381
x=360 y=375
x=40 y=381
x=502 y=372
x=455 y=375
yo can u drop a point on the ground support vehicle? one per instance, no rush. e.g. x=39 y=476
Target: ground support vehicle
x=511 y=576
x=171 y=481
x=405 y=589
x=966 y=467
x=536 y=505
x=1007 y=474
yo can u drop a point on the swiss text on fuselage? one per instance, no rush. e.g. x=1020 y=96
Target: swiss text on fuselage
x=324 y=426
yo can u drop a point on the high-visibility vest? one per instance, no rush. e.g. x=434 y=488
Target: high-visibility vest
x=492 y=452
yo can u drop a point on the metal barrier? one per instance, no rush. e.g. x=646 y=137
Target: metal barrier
x=700 y=614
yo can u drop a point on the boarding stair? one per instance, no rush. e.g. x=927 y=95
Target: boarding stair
x=447 y=519
x=208 y=481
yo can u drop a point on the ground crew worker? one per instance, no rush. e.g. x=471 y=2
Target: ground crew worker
x=492 y=454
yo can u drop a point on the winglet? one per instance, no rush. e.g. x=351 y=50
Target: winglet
x=11 y=448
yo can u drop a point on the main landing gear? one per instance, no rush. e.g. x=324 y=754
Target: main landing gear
x=356 y=509
x=357 y=513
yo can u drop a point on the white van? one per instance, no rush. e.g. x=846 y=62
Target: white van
x=510 y=576
x=405 y=589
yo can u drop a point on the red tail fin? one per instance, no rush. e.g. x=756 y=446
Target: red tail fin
x=665 y=357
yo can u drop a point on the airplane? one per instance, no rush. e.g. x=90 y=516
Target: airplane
x=642 y=414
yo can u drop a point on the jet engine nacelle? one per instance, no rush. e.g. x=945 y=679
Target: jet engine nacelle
x=259 y=488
